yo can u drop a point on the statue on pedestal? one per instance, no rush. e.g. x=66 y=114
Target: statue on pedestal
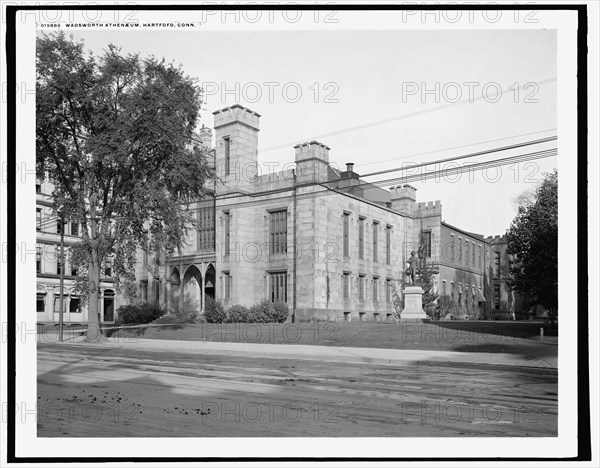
x=413 y=267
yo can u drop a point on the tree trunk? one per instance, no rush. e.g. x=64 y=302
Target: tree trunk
x=94 y=334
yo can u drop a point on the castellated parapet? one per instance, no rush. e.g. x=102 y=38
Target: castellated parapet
x=237 y=113
x=312 y=162
x=429 y=209
x=404 y=199
x=312 y=150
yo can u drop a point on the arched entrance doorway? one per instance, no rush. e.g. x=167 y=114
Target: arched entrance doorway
x=192 y=290
x=209 y=285
x=175 y=283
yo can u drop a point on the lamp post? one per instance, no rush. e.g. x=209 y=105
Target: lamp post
x=62 y=277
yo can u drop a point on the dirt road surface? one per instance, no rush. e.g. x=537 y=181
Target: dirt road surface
x=107 y=391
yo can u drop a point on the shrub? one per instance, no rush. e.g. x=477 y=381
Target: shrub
x=261 y=313
x=443 y=307
x=282 y=312
x=214 y=312
x=237 y=314
x=139 y=313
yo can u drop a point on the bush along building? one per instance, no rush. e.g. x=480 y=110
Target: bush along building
x=330 y=245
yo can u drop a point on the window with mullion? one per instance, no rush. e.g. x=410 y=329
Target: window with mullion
x=278 y=232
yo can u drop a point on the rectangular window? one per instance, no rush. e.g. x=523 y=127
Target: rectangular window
x=452 y=290
x=361 y=238
x=108 y=268
x=40 y=305
x=74 y=305
x=144 y=290
x=497 y=296
x=227 y=222
x=206 y=229
x=73 y=270
x=444 y=287
x=59 y=226
x=38 y=258
x=467 y=252
x=427 y=243
x=375 y=242
x=388 y=245
x=38 y=186
x=279 y=287
x=227 y=281
x=38 y=219
x=74 y=229
x=346 y=285
x=460 y=257
x=480 y=256
x=375 y=288
x=227 y=145
x=388 y=290
x=473 y=255
x=361 y=288
x=346 y=234
x=156 y=287
x=497 y=264
x=278 y=232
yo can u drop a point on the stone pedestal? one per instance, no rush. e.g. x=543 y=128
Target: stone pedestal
x=413 y=304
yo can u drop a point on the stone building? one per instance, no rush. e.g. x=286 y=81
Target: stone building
x=321 y=239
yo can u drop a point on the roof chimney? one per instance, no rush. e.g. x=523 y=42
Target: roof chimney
x=349 y=167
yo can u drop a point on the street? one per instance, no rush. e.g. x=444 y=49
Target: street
x=118 y=391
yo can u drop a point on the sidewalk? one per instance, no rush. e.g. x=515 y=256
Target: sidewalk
x=333 y=354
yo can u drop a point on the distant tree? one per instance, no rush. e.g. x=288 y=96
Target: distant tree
x=524 y=199
x=533 y=242
x=426 y=278
x=114 y=136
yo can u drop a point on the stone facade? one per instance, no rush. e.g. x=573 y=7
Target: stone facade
x=331 y=245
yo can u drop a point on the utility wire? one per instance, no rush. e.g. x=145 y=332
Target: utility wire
x=456 y=147
x=415 y=166
x=399 y=117
x=329 y=190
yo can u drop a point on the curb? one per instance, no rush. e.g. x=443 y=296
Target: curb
x=481 y=361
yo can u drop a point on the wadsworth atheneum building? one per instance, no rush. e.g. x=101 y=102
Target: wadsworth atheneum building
x=329 y=244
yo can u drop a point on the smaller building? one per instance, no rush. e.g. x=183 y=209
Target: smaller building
x=48 y=268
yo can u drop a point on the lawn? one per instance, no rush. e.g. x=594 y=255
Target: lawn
x=494 y=337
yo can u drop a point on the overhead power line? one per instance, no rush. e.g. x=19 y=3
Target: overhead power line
x=256 y=199
x=415 y=166
x=400 y=117
x=456 y=147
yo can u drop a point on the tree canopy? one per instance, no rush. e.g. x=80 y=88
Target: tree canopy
x=114 y=135
x=533 y=242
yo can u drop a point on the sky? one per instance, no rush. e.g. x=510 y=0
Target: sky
x=382 y=100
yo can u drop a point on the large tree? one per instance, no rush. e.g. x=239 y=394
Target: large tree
x=533 y=242
x=115 y=138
